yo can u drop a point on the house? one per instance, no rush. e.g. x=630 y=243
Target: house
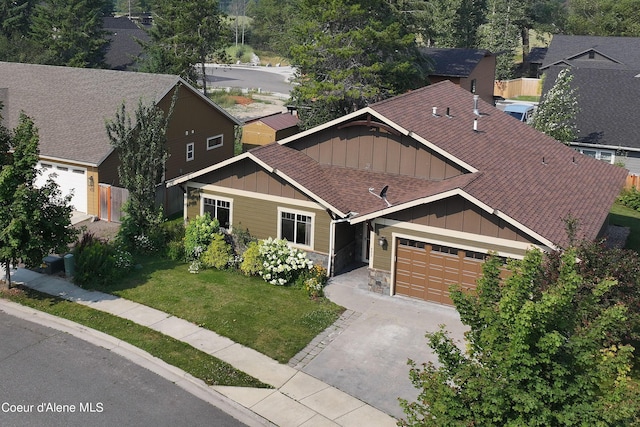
x=124 y=49
x=421 y=187
x=69 y=106
x=534 y=61
x=606 y=74
x=471 y=69
x=265 y=130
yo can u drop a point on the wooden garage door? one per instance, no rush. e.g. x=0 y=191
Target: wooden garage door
x=426 y=271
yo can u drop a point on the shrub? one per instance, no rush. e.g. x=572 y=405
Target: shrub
x=198 y=235
x=281 y=264
x=175 y=250
x=251 y=264
x=630 y=198
x=218 y=254
x=95 y=265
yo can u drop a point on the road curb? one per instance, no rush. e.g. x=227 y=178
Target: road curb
x=182 y=379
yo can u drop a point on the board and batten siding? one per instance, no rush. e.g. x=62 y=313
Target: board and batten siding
x=359 y=147
x=459 y=214
x=259 y=216
x=246 y=175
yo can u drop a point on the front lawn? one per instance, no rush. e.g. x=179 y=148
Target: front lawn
x=276 y=321
x=627 y=217
x=211 y=370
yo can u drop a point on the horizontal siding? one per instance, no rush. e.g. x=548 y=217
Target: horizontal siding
x=260 y=217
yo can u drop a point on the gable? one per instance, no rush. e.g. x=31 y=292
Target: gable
x=247 y=176
x=375 y=149
x=459 y=214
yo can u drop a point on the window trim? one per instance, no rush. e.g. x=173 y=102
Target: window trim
x=191 y=151
x=294 y=211
x=598 y=152
x=215 y=197
x=211 y=138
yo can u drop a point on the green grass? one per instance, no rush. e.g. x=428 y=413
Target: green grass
x=211 y=370
x=277 y=321
x=627 y=217
x=527 y=98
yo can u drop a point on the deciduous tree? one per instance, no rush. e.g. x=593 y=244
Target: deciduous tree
x=556 y=113
x=142 y=152
x=535 y=356
x=33 y=221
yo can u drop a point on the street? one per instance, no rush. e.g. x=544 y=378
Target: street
x=265 y=79
x=51 y=378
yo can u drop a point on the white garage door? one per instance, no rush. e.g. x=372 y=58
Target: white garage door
x=69 y=179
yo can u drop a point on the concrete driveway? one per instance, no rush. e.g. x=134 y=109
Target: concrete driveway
x=366 y=356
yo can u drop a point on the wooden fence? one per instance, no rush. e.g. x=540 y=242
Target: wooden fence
x=633 y=181
x=513 y=88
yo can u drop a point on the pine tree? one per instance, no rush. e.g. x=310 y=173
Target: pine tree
x=556 y=113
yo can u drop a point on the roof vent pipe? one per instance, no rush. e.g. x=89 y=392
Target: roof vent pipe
x=435 y=112
x=475 y=105
x=475 y=125
x=448 y=112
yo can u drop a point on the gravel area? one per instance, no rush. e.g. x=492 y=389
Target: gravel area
x=102 y=229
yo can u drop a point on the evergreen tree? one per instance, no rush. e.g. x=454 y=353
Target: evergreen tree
x=456 y=23
x=351 y=53
x=15 y=16
x=535 y=356
x=33 y=221
x=502 y=32
x=185 y=33
x=556 y=113
x=70 y=32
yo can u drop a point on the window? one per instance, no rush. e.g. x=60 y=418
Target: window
x=218 y=208
x=190 y=151
x=297 y=227
x=592 y=54
x=214 y=142
x=604 y=155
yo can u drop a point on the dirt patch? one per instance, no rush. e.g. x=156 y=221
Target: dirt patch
x=241 y=100
x=101 y=229
x=260 y=106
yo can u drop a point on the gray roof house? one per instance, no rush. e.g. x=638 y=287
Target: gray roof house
x=607 y=80
x=123 y=50
x=471 y=69
x=69 y=106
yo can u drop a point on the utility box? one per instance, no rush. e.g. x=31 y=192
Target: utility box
x=69 y=263
x=52 y=264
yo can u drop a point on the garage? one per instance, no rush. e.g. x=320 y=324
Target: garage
x=69 y=179
x=425 y=271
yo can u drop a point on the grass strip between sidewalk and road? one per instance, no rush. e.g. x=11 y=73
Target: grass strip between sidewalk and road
x=209 y=369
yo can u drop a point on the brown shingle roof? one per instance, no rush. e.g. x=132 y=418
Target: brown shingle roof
x=70 y=105
x=280 y=121
x=347 y=189
x=510 y=155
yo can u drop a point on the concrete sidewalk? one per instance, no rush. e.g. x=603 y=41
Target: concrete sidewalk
x=297 y=399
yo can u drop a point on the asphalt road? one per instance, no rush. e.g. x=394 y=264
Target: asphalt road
x=61 y=380
x=267 y=79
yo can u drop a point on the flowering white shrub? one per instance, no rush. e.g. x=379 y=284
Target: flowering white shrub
x=281 y=264
x=122 y=258
x=195 y=266
x=199 y=233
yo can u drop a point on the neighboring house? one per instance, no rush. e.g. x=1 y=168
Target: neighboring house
x=534 y=61
x=265 y=130
x=607 y=80
x=124 y=50
x=421 y=197
x=471 y=69
x=69 y=106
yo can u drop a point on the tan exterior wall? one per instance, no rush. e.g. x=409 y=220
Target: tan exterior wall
x=260 y=217
x=193 y=121
x=257 y=133
x=358 y=147
x=93 y=194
